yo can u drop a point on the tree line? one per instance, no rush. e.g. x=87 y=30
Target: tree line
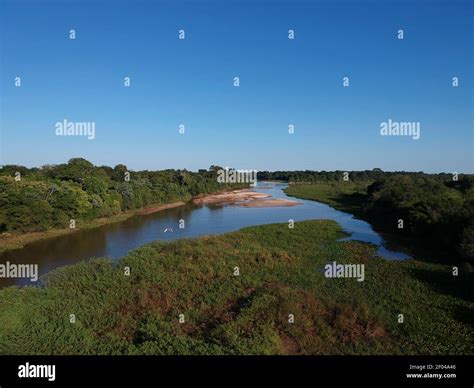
x=309 y=176
x=438 y=213
x=37 y=199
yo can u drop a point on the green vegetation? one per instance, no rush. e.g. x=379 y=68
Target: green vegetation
x=18 y=240
x=438 y=214
x=49 y=197
x=308 y=176
x=280 y=274
x=281 y=270
x=344 y=196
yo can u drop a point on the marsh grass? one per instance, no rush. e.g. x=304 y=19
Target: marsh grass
x=280 y=274
x=343 y=196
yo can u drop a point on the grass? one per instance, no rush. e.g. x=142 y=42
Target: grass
x=343 y=196
x=280 y=274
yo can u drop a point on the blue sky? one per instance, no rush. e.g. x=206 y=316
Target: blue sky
x=282 y=82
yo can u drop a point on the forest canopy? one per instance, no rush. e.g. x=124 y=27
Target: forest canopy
x=38 y=199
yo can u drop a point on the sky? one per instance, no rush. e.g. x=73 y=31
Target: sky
x=282 y=81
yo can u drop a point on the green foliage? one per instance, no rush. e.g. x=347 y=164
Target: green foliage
x=24 y=205
x=437 y=213
x=50 y=196
x=345 y=196
x=280 y=274
x=309 y=176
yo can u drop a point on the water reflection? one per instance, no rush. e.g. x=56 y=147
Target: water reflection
x=115 y=240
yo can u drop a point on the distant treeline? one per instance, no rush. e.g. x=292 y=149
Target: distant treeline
x=309 y=176
x=38 y=199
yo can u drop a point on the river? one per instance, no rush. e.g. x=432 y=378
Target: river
x=116 y=239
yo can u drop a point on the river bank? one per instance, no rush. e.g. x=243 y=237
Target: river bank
x=233 y=196
x=351 y=197
x=178 y=222
x=347 y=197
x=270 y=202
x=9 y=241
x=247 y=197
x=244 y=197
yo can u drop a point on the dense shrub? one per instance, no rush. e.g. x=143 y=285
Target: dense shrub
x=432 y=210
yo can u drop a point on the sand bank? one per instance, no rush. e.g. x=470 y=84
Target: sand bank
x=275 y=202
x=229 y=197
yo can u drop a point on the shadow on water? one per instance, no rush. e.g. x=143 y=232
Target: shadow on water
x=117 y=239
